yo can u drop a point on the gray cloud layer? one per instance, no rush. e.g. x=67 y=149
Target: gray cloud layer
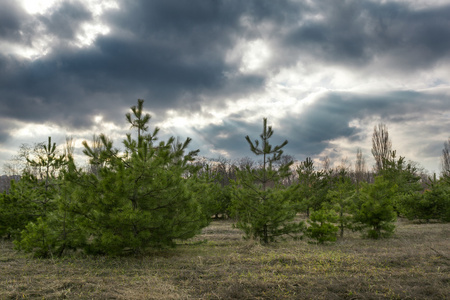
x=174 y=54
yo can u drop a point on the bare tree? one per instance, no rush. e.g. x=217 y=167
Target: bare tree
x=326 y=164
x=18 y=164
x=445 y=158
x=360 y=167
x=223 y=170
x=69 y=147
x=245 y=162
x=381 y=146
x=344 y=166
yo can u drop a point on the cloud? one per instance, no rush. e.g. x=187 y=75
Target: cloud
x=417 y=122
x=312 y=67
x=65 y=21
x=175 y=54
x=355 y=34
x=5 y=126
x=15 y=23
x=166 y=52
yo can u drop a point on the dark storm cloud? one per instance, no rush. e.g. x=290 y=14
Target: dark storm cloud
x=5 y=128
x=167 y=52
x=357 y=32
x=10 y=25
x=15 y=24
x=230 y=135
x=336 y=34
x=65 y=21
x=4 y=135
x=40 y=92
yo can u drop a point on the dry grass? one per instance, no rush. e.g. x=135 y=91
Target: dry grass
x=415 y=264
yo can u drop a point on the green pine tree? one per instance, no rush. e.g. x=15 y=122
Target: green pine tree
x=341 y=199
x=321 y=226
x=143 y=198
x=48 y=163
x=404 y=176
x=309 y=182
x=260 y=202
x=17 y=208
x=374 y=211
x=432 y=204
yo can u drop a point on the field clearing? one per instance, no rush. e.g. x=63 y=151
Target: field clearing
x=218 y=264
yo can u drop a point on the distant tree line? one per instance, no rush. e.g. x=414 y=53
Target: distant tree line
x=155 y=193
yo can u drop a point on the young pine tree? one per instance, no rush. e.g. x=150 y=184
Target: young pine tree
x=48 y=234
x=374 y=211
x=321 y=225
x=432 y=204
x=405 y=177
x=143 y=198
x=17 y=208
x=307 y=186
x=260 y=202
x=340 y=197
x=48 y=163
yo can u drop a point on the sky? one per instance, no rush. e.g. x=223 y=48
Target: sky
x=323 y=72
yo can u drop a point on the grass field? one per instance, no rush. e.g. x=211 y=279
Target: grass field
x=414 y=264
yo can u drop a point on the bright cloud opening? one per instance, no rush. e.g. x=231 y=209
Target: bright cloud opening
x=38 y=6
x=256 y=53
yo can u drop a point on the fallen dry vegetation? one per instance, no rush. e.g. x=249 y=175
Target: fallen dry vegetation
x=414 y=264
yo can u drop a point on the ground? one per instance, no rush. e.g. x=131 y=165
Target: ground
x=219 y=264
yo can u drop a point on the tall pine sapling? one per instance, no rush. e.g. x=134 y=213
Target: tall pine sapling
x=260 y=202
x=143 y=198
